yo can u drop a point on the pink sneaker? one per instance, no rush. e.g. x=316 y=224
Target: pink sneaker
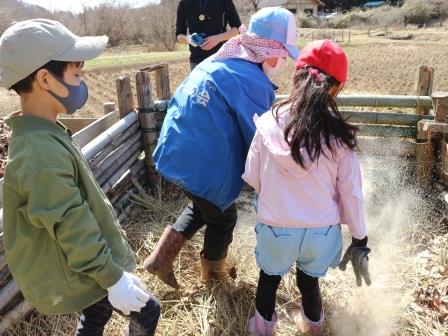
x=307 y=326
x=258 y=326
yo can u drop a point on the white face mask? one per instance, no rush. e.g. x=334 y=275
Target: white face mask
x=274 y=71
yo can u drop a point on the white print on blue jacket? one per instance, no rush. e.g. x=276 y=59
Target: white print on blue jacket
x=209 y=126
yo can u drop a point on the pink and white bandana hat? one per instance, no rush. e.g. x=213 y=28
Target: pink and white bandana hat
x=272 y=33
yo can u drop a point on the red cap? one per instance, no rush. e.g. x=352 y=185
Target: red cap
x=327 y=57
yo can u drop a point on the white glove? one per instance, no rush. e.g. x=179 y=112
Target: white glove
x=128 y=294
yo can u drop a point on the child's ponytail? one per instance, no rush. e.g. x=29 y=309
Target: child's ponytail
x=315 y=116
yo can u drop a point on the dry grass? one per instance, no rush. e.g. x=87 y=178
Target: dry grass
x=409 y=256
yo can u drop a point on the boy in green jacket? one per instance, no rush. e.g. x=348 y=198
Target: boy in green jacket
x=63 y=242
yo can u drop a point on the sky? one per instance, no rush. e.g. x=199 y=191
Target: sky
x=76 y=5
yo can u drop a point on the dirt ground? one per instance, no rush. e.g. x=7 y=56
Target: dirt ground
x=407 y=265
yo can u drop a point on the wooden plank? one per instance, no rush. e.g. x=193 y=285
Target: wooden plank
x=166 y=87
x=19 y=312
x=425 y=160
x=2 y=246
x=108 y=107
x=425 y=78
x=384 y=118
x=146 y=115
x=387 y=146
x=77 y=124
x=1 y=194
x=125 y=182
x=116 y=177
x=444 y=157
x=429 y=128
x=378 y=101
x=387 y=131
x=117 y=155
x=117 y=142
x=105 y=138
x=124 y=95
x=440 y=100
x=160 y=108
x=84 y=136
x=8 y=293
x=355 y=101
x=162 y=77
x=153 y=67
x=135 y=149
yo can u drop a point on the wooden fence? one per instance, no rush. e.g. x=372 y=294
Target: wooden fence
x=346 y=35
x=114 y=146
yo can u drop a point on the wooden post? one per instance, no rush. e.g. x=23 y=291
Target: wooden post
x=124 y=95
x=342 y=36
x=425 y=77
x=349 y=36
x=146 y=114
x=108 y=107
x=425 y=156
x=163 y=82
x=425 y=163
x=440 y=102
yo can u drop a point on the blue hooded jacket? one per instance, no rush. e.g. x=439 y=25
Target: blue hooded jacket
x=209 y=127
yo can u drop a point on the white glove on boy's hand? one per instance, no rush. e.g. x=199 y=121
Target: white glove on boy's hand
x=128 y=294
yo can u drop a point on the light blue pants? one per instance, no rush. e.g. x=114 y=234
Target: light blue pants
x=314 y=250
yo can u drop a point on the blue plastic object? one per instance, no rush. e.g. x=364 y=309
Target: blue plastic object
x=197 y=38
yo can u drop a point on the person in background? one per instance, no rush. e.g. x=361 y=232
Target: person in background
x=63 y=243
x=206 y=135
x=202 y=24
x=303 y=166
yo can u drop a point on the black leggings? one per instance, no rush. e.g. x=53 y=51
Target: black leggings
x=267 y=292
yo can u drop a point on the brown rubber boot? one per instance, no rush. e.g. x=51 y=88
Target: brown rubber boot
x=213 y=270
x=160 y=262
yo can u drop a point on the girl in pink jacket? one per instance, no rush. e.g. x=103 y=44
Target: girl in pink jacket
x=304 y=169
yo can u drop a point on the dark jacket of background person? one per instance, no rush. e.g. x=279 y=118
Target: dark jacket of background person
x=218 y=13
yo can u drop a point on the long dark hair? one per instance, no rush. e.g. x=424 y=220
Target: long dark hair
x=315 y=116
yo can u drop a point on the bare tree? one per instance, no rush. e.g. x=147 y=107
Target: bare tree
x=164 y=23
x=255 y=4
x=112 y=19
x=83 y=16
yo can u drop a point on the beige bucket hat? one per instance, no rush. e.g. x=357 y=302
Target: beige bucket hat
x=28 y=45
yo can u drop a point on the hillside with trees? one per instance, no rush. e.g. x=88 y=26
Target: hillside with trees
x=153 y=25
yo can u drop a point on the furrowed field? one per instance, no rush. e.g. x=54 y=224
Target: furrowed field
x=378 y=65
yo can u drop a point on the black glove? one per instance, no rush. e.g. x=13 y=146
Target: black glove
x=357 y=253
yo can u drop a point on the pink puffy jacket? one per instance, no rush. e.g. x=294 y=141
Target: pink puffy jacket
x=327 y=192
